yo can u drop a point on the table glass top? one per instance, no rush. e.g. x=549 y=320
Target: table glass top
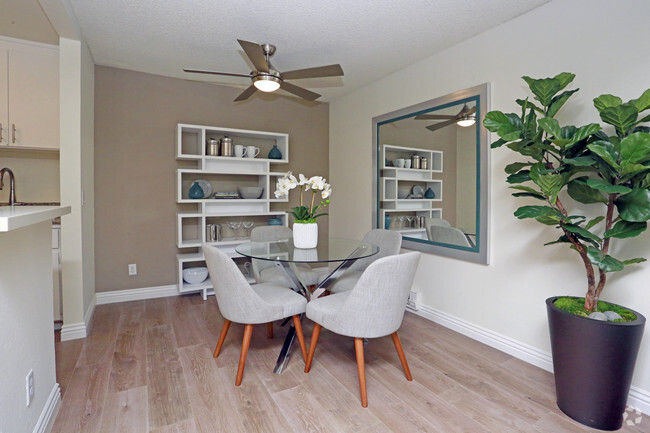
x=332 y=250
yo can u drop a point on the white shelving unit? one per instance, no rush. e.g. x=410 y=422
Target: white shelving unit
x=397 y=183
x=225 y=174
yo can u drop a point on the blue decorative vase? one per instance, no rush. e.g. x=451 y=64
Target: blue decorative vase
x=429 y=194
x=387 y=222
x=275 y=153
x=196 y=192
x=274 y=222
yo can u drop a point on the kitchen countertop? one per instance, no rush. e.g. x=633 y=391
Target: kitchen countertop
x=15 y=217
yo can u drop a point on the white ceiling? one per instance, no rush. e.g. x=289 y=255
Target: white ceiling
x=369 y=38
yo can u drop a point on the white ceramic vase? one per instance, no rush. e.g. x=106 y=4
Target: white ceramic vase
x=305 y=235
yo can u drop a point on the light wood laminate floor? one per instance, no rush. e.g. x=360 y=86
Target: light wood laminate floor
x=147 y=366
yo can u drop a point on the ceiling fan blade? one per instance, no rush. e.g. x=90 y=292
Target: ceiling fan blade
x=433 y=117
x=202 y=71
x=441 y=125
x=246 y=93
x=317 y=72
x=299 y=91
x=472 y=110
x=255 y=54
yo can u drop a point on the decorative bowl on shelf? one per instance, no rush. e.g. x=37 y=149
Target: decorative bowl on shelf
x=251 y=192
x=195 y=275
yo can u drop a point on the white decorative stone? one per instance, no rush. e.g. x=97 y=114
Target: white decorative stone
x=597 y=315
x=305 y=235
x=612 y=315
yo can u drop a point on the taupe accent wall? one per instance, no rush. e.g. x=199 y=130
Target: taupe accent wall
x=135 y=120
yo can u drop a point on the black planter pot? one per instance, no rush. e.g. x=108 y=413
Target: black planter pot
x=593 y=363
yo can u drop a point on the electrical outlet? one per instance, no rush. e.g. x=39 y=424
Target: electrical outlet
x=413 y=300
x=133 y=269
x=29 y=387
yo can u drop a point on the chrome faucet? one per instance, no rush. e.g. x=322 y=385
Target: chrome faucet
x=12 y=184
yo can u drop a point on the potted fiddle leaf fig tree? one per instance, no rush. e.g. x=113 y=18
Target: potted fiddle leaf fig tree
x=592 y=185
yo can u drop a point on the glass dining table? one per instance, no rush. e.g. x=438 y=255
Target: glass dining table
x=336 y=253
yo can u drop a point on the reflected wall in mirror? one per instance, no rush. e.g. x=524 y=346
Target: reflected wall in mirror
x=430 y=165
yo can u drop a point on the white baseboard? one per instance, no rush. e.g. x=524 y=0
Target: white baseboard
x=73 y=331
x=638 y=398
x=136 y=294
x=46 y=419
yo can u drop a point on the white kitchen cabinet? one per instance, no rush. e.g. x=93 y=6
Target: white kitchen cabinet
x=224 y=174
x=29 y=95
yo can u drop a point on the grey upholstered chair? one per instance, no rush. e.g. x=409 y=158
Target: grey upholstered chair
x=436 y=222
x=266 y=271
x=389 y=243
x=448 y=235
x=240 y=302
x=373 y=308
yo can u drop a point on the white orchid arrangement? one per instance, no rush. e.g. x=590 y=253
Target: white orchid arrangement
x=315 y=184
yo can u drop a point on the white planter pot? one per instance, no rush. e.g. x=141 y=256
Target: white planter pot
x=305 y=235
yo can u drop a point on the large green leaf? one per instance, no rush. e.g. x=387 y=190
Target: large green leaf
x=628 y=171
x=550 y=184
x=605 y=262
x=633 y=261
x=625 y=229
x=536 y=211
x=606 y=101
x=606 y=151
x=635 y=148
x=580 y=191
x=581 y=232
x=621 y=117
x=593 y=222
x=525 y=103
x=584 y=132
x=544 y=89
x=561 y=240
x=522 y=176
x=564 y=78
x=634 y=206
x=606 y=187
x=580 y=161
x=558 y=101
x=515 y=167
x=527 y=192
x=507 y=126
x=551 y=126
x=643 y=103
x=498 y=143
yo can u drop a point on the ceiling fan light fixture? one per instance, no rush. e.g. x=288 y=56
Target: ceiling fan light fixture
x=267 y=82
x=466 y=121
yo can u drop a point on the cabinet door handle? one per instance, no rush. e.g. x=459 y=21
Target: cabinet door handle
x=13 y=133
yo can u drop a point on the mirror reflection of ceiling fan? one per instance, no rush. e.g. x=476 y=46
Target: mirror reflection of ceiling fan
x=267 y=79
x=465 y=117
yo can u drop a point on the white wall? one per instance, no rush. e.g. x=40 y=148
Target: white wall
x=76 y=172
x=26 y=324
x=602 y=42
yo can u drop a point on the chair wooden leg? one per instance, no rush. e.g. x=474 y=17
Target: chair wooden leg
x=312 y=346
x=248 y=332
x=222 y=337
x=402 y=358
x=361 y=368
x=269 y=329
x=301 y=337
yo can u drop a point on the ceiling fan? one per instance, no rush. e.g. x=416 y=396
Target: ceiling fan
x=266 y=79
x=465 y=117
